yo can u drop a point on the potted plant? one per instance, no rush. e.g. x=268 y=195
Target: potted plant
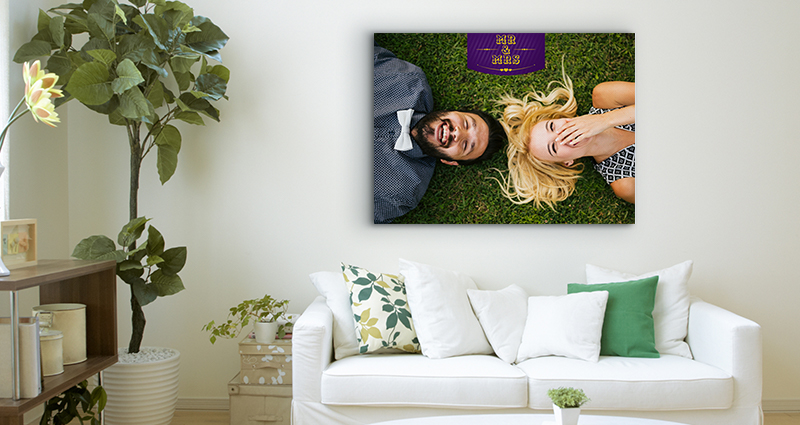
x=145 y=65
x=567 y=404
x=76 y=402
x=264 y=312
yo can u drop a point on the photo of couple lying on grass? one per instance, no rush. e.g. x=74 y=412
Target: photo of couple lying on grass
x=453 y=145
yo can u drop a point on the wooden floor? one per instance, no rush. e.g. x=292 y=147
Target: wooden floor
x=186 y=417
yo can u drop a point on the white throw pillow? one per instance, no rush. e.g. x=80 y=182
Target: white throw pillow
x=331 y=285
x=671 y=311
x=502 y=316
x=445 y=323
x=567 y=326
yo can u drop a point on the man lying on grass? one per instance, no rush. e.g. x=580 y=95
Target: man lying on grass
x=410 y=138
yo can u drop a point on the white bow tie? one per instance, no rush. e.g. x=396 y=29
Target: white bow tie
x=403 y=142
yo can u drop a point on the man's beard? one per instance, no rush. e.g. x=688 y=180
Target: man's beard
x=426 y=127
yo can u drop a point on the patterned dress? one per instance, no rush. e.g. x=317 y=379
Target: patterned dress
x=623 y=163
x=400 y=178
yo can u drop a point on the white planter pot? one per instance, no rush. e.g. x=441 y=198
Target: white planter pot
x=265 y=332
x=567 y=416
x=142 y=388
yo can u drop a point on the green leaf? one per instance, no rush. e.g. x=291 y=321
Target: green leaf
x=181 y=16
x=221 y=72
x=127 y=76
x=129 y=265
x=209 y=40
x=363 y=281
x=56 y=28
x=138 y=3
x=32 y=50
x=190 y=102
x=157 y=27
x=183 y=79
x=155 y=242
x=365 y=293
x=182 y=64
x=168 y=141
x=43 y=21
x=100 y=27
x=404 y=318
x=103 y=55
x=144 y=293
x=166 y=284
x=132 y=231
x=98 y=247
x=391 y=321
x=190 y=117
x=156 y=94
x=387 y=308
x=133 y=104
x=174 y=260
x=212 y=85
x=153 y=260
x=90 y=84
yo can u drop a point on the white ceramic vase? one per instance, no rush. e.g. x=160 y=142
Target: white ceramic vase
x=141 y=391
x=567 y=416
x=265 y=332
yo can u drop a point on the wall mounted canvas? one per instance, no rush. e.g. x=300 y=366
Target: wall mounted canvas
x=504 y=128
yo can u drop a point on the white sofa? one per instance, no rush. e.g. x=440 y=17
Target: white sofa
x=719 y=385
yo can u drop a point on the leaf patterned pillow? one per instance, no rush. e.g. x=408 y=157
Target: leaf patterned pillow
x=380 y=308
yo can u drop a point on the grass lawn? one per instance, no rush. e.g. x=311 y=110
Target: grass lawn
x=468 y=194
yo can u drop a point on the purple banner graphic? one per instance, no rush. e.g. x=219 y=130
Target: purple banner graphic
x=505 y=53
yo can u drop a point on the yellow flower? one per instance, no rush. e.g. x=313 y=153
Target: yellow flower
x=39 y=91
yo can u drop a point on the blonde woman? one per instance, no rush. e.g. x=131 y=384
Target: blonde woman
x=545 y=138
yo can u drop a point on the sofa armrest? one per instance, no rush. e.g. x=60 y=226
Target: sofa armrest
x=730 y=342
x=312 y=350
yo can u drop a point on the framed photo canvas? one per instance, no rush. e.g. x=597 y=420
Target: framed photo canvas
x=428 y=73
x=18 y=243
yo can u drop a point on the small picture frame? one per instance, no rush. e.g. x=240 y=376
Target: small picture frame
x=18 y=244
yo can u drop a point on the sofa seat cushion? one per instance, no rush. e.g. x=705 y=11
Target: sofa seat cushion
x=622 y=383
x=477 y=381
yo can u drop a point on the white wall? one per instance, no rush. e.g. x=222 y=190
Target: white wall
x=281 y=187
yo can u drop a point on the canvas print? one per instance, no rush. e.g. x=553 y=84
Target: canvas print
x=504 y=128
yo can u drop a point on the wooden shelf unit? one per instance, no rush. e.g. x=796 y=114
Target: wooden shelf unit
x=93 y=283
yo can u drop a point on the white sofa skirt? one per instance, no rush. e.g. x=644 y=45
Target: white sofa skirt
x=308 y=413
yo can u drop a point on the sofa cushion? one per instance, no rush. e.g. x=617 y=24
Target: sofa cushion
x=445 y=323
x=671 y=311
x=628 y=322
x=476 y=381
x=502 y=316
x=625 y=383
x=567 y=325
x=380 y=311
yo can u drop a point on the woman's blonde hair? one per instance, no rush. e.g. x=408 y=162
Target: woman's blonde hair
x=530 y=179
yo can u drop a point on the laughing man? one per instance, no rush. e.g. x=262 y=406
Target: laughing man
x=410 y=137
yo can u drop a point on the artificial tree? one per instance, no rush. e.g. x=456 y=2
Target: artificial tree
x=144 y=65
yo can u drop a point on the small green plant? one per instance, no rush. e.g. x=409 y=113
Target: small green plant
x=265 y=309
x=63 y=408
x=567 y=398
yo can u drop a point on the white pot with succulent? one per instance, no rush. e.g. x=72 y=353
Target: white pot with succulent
x=144 y=64
x=567 y=404
x=265 y=313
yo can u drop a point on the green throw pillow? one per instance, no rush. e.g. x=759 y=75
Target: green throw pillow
x=628 y=329
x=380 y=309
